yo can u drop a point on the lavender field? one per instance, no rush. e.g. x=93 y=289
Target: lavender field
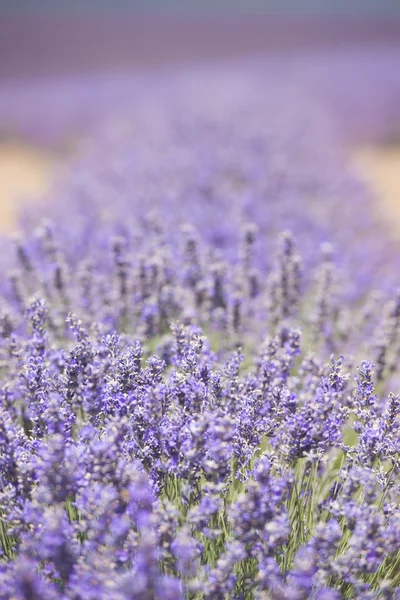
x=200 y=337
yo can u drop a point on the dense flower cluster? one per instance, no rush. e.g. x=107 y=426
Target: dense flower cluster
x=159 y=462
x=196 y=402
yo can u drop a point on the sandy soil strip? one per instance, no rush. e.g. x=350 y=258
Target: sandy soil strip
x=380 y=167
x=25 y=174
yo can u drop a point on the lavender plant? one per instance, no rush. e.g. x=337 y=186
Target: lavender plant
x=164 y=445
x=193 y=404
x=215 y=152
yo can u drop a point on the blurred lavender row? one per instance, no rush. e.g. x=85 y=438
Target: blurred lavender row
x=359 y=86
x=221 y=146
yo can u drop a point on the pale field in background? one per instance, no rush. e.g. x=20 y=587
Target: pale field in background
x=26 y=173
x=380 y=167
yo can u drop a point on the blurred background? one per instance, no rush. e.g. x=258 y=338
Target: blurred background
x=64 y=65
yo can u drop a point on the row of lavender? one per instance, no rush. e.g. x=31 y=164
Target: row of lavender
x=177 y=418
x=217 y=150
x=359 y=84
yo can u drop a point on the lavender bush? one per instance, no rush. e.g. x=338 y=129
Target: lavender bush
x=195 y=433
x=216 y=151
x=194 y=404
